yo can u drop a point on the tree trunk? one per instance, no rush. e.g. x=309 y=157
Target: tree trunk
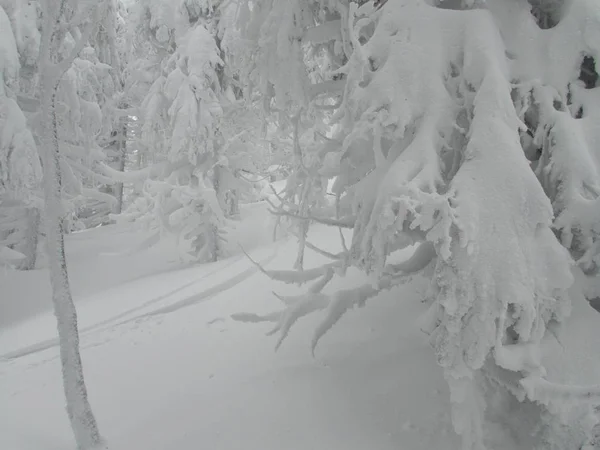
x=79 y=411
x=214 y=230
x=50 y=72
x=122 y=155
x=30 y=239
x=121 y=149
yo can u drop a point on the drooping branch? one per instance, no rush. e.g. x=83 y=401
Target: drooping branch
x=294 y=276
x=306 y=304
x=340 y=302
x=325 y=253
x=541 y=390
x=423 y=255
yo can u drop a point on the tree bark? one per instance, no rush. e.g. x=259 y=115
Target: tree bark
x=214 y=230
x=122 y=155
x=79 y=410
x=30 y=239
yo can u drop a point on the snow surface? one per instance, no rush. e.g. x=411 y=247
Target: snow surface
x=166 y=367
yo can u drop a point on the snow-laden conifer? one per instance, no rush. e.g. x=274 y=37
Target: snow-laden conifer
x=436 y=113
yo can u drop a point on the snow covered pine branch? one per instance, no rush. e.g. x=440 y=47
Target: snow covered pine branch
x=431 y=148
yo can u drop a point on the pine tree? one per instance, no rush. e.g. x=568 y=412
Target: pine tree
x=437 y=109
x=196 y=130
x=20 y=169
x=86 y=96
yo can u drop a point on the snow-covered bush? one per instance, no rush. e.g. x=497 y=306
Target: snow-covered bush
x=428 y=141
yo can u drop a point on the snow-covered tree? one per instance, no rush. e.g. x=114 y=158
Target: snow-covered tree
x=87 y=101
x=196 y=127
x=467 y=129
x=67 y=73
x=19 y=164
x=111 y=42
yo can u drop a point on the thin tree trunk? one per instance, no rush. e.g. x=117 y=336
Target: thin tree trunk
x=214 y=230
x=79 y=411
x=30 y=239
x=122 y=152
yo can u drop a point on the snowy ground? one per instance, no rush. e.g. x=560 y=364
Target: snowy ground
x=168 y=369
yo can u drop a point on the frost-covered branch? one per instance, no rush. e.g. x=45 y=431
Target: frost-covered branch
x=422 y=256
x=101 y=196
x=338 y=303
x=323 y=33
x=342 y=223
x=320 y=251
x=134 y=176
x=541 y=390
x=80 y=44
x=294 y=276
x=332 y=87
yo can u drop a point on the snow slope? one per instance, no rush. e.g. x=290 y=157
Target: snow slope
x=100 y=258
x=167 y=368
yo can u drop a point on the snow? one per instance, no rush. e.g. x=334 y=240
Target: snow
x=164 y=377
x=436 y=117
x=9 y=58
x=167 y=367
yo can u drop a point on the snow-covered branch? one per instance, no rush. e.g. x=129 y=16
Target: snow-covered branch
x=541 y=390
x=332 y=87
x=345 y=222
x=323 y=33
x=100 y=196
x=80 y=44
x=294 y=276
x=134 y=176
